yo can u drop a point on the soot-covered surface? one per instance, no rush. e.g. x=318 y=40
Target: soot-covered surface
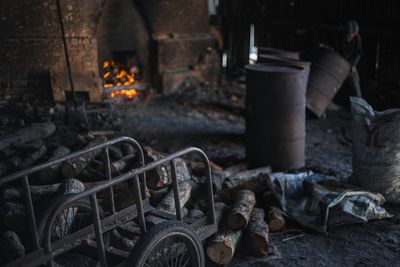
x=168 y=124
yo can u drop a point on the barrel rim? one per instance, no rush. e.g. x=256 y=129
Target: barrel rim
x=273 y=49
x=283 y=59
x=261 y=67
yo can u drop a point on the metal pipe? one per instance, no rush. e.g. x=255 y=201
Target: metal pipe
x=175 y=187
x=66 y=52
x=110 y=192
x=31 y=215
x=139 y=204
x=99 y=233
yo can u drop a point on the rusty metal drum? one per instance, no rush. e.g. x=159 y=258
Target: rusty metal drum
x=328 y=72
x=278 y=52
x=277 y=60
x=275 y=116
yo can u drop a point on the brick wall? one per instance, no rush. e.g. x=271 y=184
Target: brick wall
x=31 y=47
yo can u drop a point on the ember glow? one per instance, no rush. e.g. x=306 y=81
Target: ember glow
x=125 y=93
x=120 y=79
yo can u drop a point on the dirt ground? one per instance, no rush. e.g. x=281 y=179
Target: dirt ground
x=217 y=126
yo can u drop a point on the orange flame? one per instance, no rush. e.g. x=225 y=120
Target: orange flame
x=115 y=75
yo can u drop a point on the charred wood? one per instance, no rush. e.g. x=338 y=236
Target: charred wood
x=32 y=158
x=167 y=204
x=52 y=174
x=254 y=180
x=24 y=135
x=76 y=165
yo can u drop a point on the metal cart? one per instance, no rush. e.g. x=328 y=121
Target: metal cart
x=174 y=242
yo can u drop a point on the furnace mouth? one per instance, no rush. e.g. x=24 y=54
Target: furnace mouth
x=121 y=74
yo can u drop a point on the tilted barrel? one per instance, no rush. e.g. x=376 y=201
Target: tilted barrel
x=328 y=72
x=275 y=116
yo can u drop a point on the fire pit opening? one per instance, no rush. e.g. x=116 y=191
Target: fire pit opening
x=121 y=75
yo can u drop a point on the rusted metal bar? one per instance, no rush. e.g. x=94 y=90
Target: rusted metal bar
x=139 y=204
x=110 y=192
x=31 y=214
x=99 y=234
x=175 y=187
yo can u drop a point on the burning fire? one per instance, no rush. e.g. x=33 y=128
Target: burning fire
x=120 y=79
x=126 y=93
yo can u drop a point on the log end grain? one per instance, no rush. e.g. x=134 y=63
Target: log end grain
x=220 y=253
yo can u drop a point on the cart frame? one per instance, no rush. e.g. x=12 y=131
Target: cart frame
x=44 y=251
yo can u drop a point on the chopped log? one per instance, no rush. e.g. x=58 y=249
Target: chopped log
x=127 y=149
x=269 y=200
x=117 y=165
x=8 y=165
x=257 y=233
x=220 y=210
x=198 y=167
x=24 y=135
x=32 y=158
x=76 y=165
x=13 y=216
x=167 y=204
x=255 y=180
x=233 y=170
x=51 y=175
x=239 y=216
x=71 y=186
x=222 y=248
x=275 y=219
x=11 y=247
x=121 y=164
x=157 y=195
x=218 y=179
x=45 y=191
x=160 y=177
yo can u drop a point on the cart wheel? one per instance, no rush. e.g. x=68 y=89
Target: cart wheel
x=170 y=243
x=76 y=216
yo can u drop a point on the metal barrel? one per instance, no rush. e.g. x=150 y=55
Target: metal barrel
x=275 y=116
x=328 y=72
x=278 y=52
x=277 y=60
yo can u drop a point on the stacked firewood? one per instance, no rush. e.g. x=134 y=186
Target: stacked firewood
x=242 y=219
x=236 y=190
x=44 y=142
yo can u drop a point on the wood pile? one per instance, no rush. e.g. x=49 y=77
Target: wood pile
x=245 y=209
x=246 y=220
